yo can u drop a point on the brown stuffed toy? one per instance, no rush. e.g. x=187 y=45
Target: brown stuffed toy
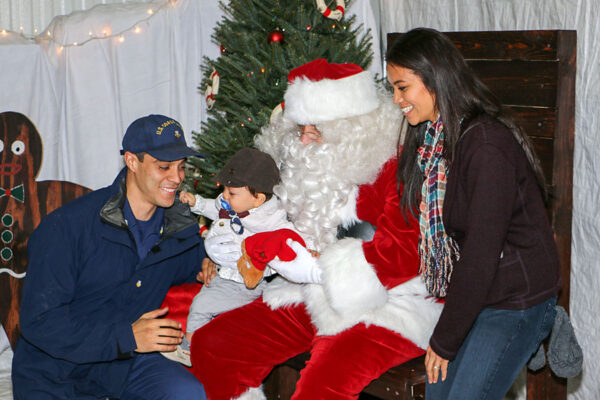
x=259 y=249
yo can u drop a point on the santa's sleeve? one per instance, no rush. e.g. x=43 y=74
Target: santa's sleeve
x=357 y=274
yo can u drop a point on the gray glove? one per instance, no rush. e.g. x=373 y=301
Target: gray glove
x=565 y=356
x=223 y=250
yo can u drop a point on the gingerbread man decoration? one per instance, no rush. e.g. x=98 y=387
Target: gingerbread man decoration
x=23 y=204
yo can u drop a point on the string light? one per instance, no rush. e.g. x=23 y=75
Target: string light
x=105 y=33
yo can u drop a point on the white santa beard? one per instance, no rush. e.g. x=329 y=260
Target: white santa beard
x=317 y=180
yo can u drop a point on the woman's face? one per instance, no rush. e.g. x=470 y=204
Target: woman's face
x=416 y=102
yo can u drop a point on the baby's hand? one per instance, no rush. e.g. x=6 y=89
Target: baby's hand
x=187 y=198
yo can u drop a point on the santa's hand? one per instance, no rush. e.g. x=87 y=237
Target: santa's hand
x=223 y=250
x=303 y=269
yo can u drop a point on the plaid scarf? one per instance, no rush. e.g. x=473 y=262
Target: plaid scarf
x=437 y=250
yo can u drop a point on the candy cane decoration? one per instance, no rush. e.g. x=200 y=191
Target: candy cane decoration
x=337 y=14
x=212 y=90
x=277 y=111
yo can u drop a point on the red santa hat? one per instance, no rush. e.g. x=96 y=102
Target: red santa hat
x=320 y=91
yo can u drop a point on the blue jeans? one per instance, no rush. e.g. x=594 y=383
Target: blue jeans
x=498 y=346
x=153 y=376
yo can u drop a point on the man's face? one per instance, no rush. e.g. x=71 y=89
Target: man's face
x=154 y=182
x=309 y=134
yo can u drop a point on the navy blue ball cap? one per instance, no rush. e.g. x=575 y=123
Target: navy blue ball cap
x=160 y=136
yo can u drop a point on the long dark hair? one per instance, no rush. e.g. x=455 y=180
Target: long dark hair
x=459 y=96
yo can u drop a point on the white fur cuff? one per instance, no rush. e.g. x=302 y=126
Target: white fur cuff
x=350 y=282
x=280 y=293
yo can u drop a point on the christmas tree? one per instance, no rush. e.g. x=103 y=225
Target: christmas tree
x=260 y=42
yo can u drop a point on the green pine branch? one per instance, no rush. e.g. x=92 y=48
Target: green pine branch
x=253 y=72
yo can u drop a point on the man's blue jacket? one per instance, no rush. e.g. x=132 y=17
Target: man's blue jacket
x=86 y=285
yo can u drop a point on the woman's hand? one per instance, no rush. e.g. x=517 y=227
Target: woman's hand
x=433 y=365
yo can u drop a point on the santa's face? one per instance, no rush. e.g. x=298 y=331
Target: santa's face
x=309 y=134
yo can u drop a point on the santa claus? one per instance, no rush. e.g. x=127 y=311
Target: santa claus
x=360 y=307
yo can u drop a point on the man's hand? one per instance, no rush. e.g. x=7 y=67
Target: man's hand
x=435 y=364
x=209 y=271
x=152 y=333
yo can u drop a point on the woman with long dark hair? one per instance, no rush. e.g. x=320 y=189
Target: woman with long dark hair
x=486 y=245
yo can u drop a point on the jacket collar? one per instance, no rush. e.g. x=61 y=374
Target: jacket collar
x=178 y=217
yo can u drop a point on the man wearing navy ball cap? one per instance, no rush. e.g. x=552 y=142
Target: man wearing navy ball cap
x=99 y=269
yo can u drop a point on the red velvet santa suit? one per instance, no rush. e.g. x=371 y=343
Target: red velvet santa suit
x=370 y=313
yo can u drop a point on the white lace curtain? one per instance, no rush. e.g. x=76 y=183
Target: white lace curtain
x=30 y=17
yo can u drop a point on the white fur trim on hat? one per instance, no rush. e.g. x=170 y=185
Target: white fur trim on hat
x=311 y=102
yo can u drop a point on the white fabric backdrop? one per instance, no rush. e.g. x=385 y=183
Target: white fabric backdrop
x=82 y=98
x=32 y=16
x=473 y=15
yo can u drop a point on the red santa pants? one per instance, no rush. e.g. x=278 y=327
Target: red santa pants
x=238 y=349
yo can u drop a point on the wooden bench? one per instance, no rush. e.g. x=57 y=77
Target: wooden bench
x=533 y=74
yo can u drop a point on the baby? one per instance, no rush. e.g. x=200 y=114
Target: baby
x=246 y=206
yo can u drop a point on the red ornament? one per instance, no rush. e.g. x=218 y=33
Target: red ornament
x=222 y=49
x=275 y=37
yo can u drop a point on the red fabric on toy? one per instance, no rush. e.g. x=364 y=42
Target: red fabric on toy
x=178 y=299
x=265 y=246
